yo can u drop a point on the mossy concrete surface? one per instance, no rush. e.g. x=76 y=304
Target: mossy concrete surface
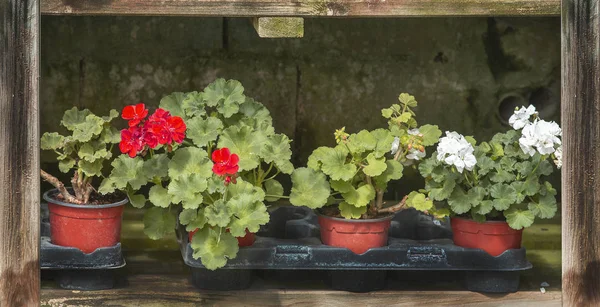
x=340 y=74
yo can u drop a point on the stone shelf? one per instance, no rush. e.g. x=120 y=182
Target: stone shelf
x=303 y=8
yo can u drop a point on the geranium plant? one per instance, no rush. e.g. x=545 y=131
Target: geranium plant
x=83 y=152
x=355 y=173
x=217 y=175
x=503 y=179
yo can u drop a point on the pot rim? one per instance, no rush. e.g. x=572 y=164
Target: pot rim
x=381 y=219
x=474 y=221
x=51 y=200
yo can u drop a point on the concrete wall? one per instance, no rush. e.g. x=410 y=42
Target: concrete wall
x=466 y=73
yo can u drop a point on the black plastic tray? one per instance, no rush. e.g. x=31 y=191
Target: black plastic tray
x=74 y=269
x=416 y=243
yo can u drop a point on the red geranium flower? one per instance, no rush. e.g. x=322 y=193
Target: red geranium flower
x=225 y=163
x=166 y=128
x=135 y=114
x=132 y=141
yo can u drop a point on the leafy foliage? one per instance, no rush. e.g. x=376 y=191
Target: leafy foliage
x=361 y=165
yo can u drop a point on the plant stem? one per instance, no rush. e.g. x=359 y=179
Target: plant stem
x=395 y=208
x=379 y=199
x=277 y=173
x=60 y=186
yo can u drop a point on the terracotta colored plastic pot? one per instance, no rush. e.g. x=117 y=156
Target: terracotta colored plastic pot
x=246 y=240
x=494 y=237
x=86 y=227
x=356 y=235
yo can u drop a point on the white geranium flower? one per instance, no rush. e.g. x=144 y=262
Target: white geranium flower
x=558 y=155
x=395 y=145
x=414 y=131
x=521 y=117
x=415 y=154
x=454 y=149
x=540 y=136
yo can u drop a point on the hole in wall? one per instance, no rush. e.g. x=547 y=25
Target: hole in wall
x=507 y=106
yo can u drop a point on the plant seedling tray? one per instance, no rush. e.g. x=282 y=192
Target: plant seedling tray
x=291 y=241
x=74 y=269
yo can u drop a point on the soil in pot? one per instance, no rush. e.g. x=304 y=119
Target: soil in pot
x=86 y=227
x=494 y=237
x=244 y=241
x=356 y=235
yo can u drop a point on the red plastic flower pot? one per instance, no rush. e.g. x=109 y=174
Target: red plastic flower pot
x=356 y=235
x=86 y=227
x=494 y=237
x=244 y=241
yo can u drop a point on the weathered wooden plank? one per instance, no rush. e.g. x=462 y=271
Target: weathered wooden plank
x=581 y=162
x=175 y=290
x=279 y=27
x=19 y=153
x=304 y=8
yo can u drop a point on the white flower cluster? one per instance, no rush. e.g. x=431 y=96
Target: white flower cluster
x=521 y=117
x=413 y=153
x=537 y=136
x=454 y=149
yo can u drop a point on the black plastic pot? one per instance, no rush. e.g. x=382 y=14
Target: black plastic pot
x=290 y=241
x=74 y=269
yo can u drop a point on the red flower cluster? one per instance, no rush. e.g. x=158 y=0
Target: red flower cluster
x=225 y=164
x=160 y=128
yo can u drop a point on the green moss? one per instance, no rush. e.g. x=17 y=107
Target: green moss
x=280 y=26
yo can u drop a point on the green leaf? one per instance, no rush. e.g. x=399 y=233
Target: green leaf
x=90 y=168
x=317 y=156
x=273 y=187
x=106 y=186
x=193 y=105
x=532 y=186
x=245 y=143
x=519 y=219
x=428 y=165
x=519 y=187
x=187 y=216
x=484 y=147
x=188 y=161
x=51 y=141
x=362 y=141
x=157 y=166
x=112 y=114
x=158 y=222
x=74 y=117
x=471 y=140
x=334 y=164
x=137 y=200
x=393 y=171
x=524 y=168
x=545 y=208
x=476 y=195
x=215 y=185
x=431 y=134
x=360 y=197
x=484 y=165
x=91 y=153
x=247 y=213
x=110 y=135
x=128 y=170
x=375 y=166
x=351 y=212
x=202 y=131
x=545 y=168
x=502 y=176
x=497 y=150
x=217 y=214
x=92 y=126
x=244 y=187
x=188 y=190
x=159 y=196
x=547 y=189
x=341 y=186
x=387 y=113
x=484 y=207
x=225 y=95
x=309 y=188
x=173 y=104
x=277 y=150
x=214 y=247
x=440 y=192
x=504 y=196
x=408 y=100
x=404 y=117
x=459 y=202
x=384 y=142
x=419 y=201
x=66 y=165
x=194 y=219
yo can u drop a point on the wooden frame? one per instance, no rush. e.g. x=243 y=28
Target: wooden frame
x=19 y=122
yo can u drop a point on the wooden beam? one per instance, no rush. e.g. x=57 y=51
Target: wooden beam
x=581 y=147
x=304 y=8
x=19 y=153
x=279 y=27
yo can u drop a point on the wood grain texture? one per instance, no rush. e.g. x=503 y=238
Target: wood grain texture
x=175 y=290
x=19 y=153
x=581 y=147
x=304 y=8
